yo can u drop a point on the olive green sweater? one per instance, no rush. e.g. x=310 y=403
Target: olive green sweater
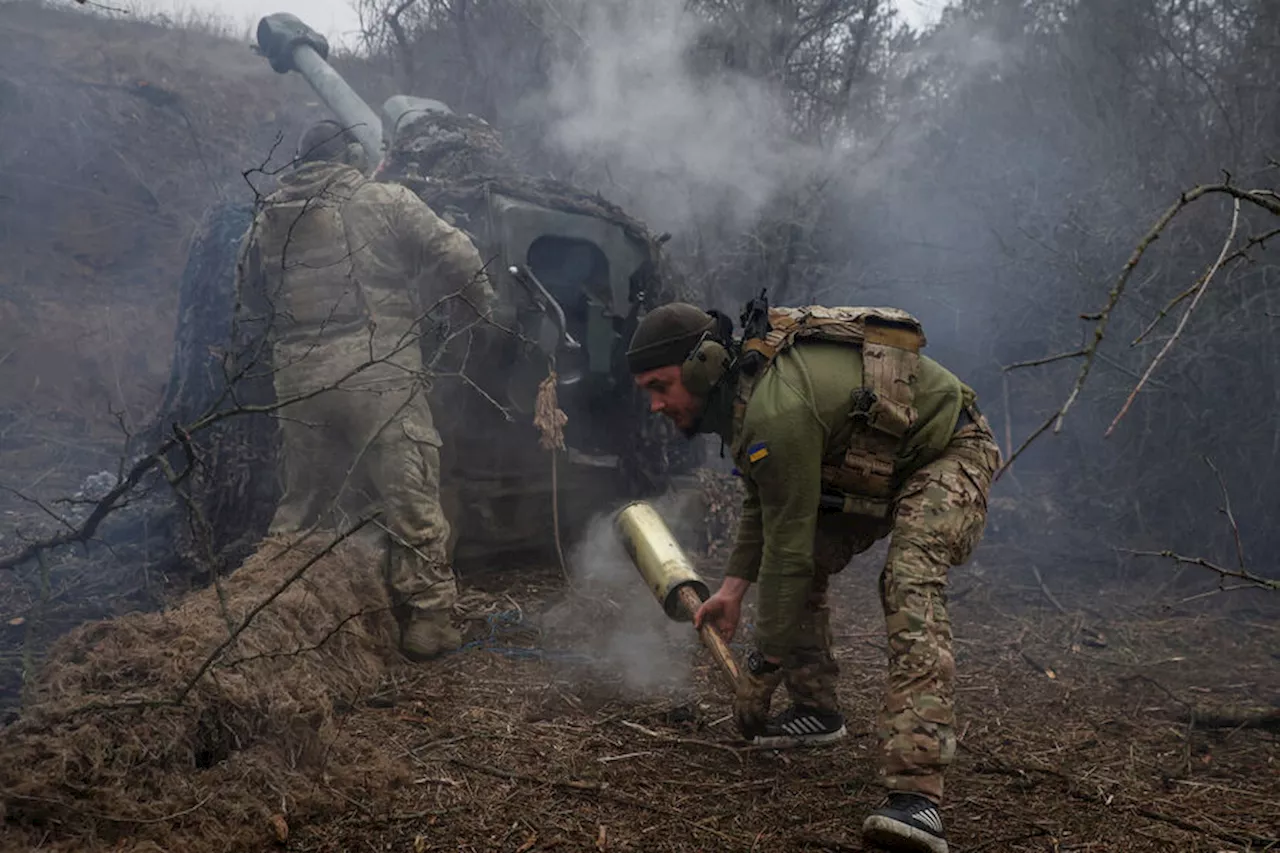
x=795 y=419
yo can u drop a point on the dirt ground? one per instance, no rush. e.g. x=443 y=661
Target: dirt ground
x=1075 y=735
x=1090 y=720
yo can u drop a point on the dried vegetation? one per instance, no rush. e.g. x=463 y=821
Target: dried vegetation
x=1086 y=724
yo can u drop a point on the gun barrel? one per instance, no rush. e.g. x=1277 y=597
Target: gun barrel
x=342 y=99
x=291 y=45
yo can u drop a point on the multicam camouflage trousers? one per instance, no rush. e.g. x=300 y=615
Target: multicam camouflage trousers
x=346 y=453
x=940 y=515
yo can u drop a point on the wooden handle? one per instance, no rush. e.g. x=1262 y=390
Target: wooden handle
x=710 y=636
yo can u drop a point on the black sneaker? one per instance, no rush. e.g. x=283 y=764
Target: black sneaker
x=908 y=823
x=800 y=726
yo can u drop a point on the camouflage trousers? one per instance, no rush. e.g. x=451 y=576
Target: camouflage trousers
x=940 y=514
x=348 y=452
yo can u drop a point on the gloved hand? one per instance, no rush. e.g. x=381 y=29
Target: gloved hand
x=755 y=691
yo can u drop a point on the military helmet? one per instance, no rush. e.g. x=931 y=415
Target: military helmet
x=327 y=141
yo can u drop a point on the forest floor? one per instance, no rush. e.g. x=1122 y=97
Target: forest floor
x=1087 y=722
x=1103 y=727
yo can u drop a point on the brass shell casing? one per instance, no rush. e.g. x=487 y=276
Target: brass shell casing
x=660 y=559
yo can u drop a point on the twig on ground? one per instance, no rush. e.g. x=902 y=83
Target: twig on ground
x=1048 y=593
x=1257 y=841
x=724 y=747
x=999 y=843
x=109 y=818
x=832 y=844
x=592 y=788
x=1087 y=792
x=1252 y=580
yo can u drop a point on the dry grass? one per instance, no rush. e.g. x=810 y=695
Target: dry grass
x=1076 y=734
x=103 y=746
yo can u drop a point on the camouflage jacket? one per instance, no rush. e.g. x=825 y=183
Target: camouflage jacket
x=347 y=263
x=795 y=422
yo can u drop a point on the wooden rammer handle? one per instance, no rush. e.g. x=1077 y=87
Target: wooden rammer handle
x=711 y=637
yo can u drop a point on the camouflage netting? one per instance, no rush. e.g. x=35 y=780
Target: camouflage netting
x=228 y=484
x=258 y=728
x=454 y=162
x=440 y=147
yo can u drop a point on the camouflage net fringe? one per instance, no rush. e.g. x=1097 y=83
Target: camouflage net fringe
x=548 y=417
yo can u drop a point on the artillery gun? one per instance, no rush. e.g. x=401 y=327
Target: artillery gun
x=573 y=274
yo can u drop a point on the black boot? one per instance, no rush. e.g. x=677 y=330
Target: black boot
x=800 y=726
x=907 y=823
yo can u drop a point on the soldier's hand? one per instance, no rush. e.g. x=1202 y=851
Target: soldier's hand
x=724 y=610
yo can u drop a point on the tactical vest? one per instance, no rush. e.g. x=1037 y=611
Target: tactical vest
x=883 y=409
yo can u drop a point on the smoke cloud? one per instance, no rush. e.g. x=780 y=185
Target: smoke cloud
x=612 y=620
x=682 y=146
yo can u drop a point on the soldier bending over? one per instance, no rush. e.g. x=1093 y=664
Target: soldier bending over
x=843 y=435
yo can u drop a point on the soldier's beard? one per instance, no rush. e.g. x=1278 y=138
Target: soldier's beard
x=695 y=421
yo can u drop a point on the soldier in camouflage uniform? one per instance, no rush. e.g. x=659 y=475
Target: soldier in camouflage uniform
x=345 y=277
x=789 y=428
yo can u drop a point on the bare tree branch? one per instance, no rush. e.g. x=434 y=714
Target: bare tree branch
x=1036 y=362
x=1231 y=519
x=260 y=606
x=1239 y=574
x=1182 y=324
x=1261 y=198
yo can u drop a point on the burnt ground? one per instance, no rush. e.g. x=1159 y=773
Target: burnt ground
x=1076 y=733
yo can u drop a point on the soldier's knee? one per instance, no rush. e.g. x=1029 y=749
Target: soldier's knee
x=945 y=539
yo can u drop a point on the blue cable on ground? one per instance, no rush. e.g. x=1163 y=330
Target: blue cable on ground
x=502 y=623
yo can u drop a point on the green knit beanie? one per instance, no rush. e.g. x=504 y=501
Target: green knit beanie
x=666 y=335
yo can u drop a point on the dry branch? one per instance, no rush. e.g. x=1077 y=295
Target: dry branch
x=1036 y=362
x=1260 y=198
x=1203 y=285
x=289 y=580
x=1088 y=792
x=1226 y=509
x=1250 y=578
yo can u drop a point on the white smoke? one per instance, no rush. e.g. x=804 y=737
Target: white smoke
x=644 y=110
x=681 y=145
x=611 y=618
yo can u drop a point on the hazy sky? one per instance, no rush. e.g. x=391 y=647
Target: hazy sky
x=337 y=20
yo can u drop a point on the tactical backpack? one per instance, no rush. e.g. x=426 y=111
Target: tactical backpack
x=883 y=407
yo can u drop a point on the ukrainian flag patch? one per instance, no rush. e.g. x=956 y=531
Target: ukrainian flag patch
x=758 y=451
